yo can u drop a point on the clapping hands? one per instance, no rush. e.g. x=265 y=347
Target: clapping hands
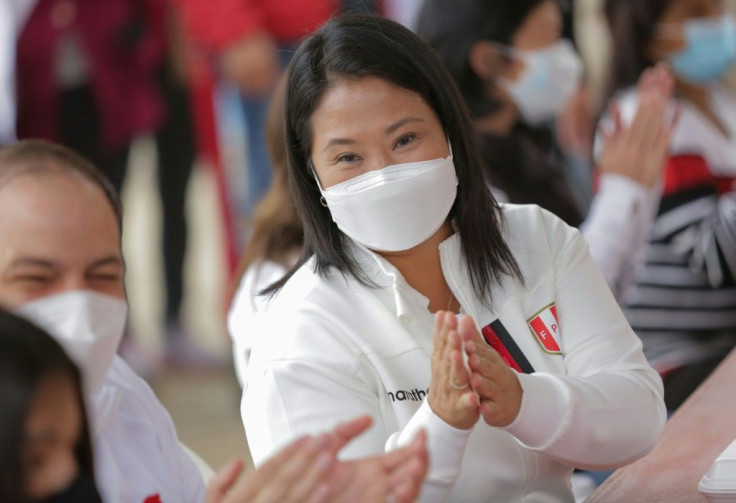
x=486 y=387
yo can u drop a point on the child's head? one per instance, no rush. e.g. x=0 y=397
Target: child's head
x=45 y=448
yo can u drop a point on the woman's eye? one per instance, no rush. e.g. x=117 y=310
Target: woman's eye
x=348 y=158
x=405 y=140
x=105 y=277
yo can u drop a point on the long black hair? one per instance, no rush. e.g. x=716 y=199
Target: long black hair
x=633 y=25
x=28 y=356
x=351 y=47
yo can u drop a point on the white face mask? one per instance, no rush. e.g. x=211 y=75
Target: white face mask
x=549 y=79
x=88 y=325
x=395 y=208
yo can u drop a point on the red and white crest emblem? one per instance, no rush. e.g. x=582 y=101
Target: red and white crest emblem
x=546 y=329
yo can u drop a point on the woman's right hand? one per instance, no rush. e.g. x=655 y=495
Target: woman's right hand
x=638 y=151
x=450 y=394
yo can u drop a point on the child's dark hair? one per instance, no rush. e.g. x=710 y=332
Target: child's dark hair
x=28 y=356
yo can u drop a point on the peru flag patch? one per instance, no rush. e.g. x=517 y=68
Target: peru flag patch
x=546 y=329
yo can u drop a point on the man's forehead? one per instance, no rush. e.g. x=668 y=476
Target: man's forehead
x=54 y=188
x=46 y=215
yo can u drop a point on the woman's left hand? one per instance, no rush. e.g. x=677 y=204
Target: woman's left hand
x=496 y=384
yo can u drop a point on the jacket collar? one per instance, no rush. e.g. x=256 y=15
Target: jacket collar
x=401 y=297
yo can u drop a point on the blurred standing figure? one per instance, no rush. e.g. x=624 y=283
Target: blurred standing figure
x=176 y=149
x=87 y=77
x=13 y=16
x=252 y=40
x=683 y=302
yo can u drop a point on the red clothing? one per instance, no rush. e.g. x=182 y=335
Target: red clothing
x=122 y=68
x=218 y=23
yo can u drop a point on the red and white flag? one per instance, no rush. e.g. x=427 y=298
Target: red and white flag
x=546 y=329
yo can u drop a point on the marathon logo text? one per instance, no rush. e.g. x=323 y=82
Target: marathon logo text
x=415 y=395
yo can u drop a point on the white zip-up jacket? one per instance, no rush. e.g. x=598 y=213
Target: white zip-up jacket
x=334 y=349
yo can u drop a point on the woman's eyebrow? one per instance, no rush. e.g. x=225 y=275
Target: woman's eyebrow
x=338 y=141
x=402 y=122
x=392 y=128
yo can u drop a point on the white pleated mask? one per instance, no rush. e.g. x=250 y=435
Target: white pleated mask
x=395 y=208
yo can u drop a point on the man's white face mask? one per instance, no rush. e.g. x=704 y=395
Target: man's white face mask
x=87 y=324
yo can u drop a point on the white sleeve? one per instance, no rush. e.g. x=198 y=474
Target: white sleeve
x=617 y=228
x=607 y=410
x=285 y=399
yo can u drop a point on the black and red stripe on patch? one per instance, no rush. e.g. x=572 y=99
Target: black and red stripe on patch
x=496 y=335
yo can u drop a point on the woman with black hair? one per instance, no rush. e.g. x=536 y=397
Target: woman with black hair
x=45 y=447
x=518 y=77
x=683 y=300
x=402 y=235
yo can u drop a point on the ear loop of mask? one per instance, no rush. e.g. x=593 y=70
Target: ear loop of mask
x=322 y=199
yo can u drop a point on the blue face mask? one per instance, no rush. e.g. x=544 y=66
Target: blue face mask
x=709 y=52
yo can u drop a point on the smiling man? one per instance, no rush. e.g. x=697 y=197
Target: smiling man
x=61 y=266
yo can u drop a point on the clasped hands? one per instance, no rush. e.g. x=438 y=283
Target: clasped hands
x=486 y=387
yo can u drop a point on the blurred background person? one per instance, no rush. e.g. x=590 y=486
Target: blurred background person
x=87 y=77
x=683 y=303
x=13 y=16
x=45 y=441
x=517 y=76
x=251 y=42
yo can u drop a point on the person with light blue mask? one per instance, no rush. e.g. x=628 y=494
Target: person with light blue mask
x=682 y=303
x=709 y=51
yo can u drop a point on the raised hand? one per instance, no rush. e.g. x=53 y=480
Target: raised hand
x=450 y=394
x=639 y=150
x=495 y=383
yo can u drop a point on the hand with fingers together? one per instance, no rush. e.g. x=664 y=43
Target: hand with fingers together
x=307 y=470
x=638 y=151
x=496 y=384
x=450 y=394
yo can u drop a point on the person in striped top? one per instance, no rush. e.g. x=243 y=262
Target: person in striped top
x=683 y=300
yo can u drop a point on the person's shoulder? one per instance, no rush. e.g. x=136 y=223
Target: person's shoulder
x=309 y=289
x=536 y=236
x=313 y=312
x=135 y=396
x=248 y=300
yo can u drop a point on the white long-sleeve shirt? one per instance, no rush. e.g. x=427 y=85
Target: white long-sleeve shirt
x=617 y=228
x=138 y=457
x=332 y=349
